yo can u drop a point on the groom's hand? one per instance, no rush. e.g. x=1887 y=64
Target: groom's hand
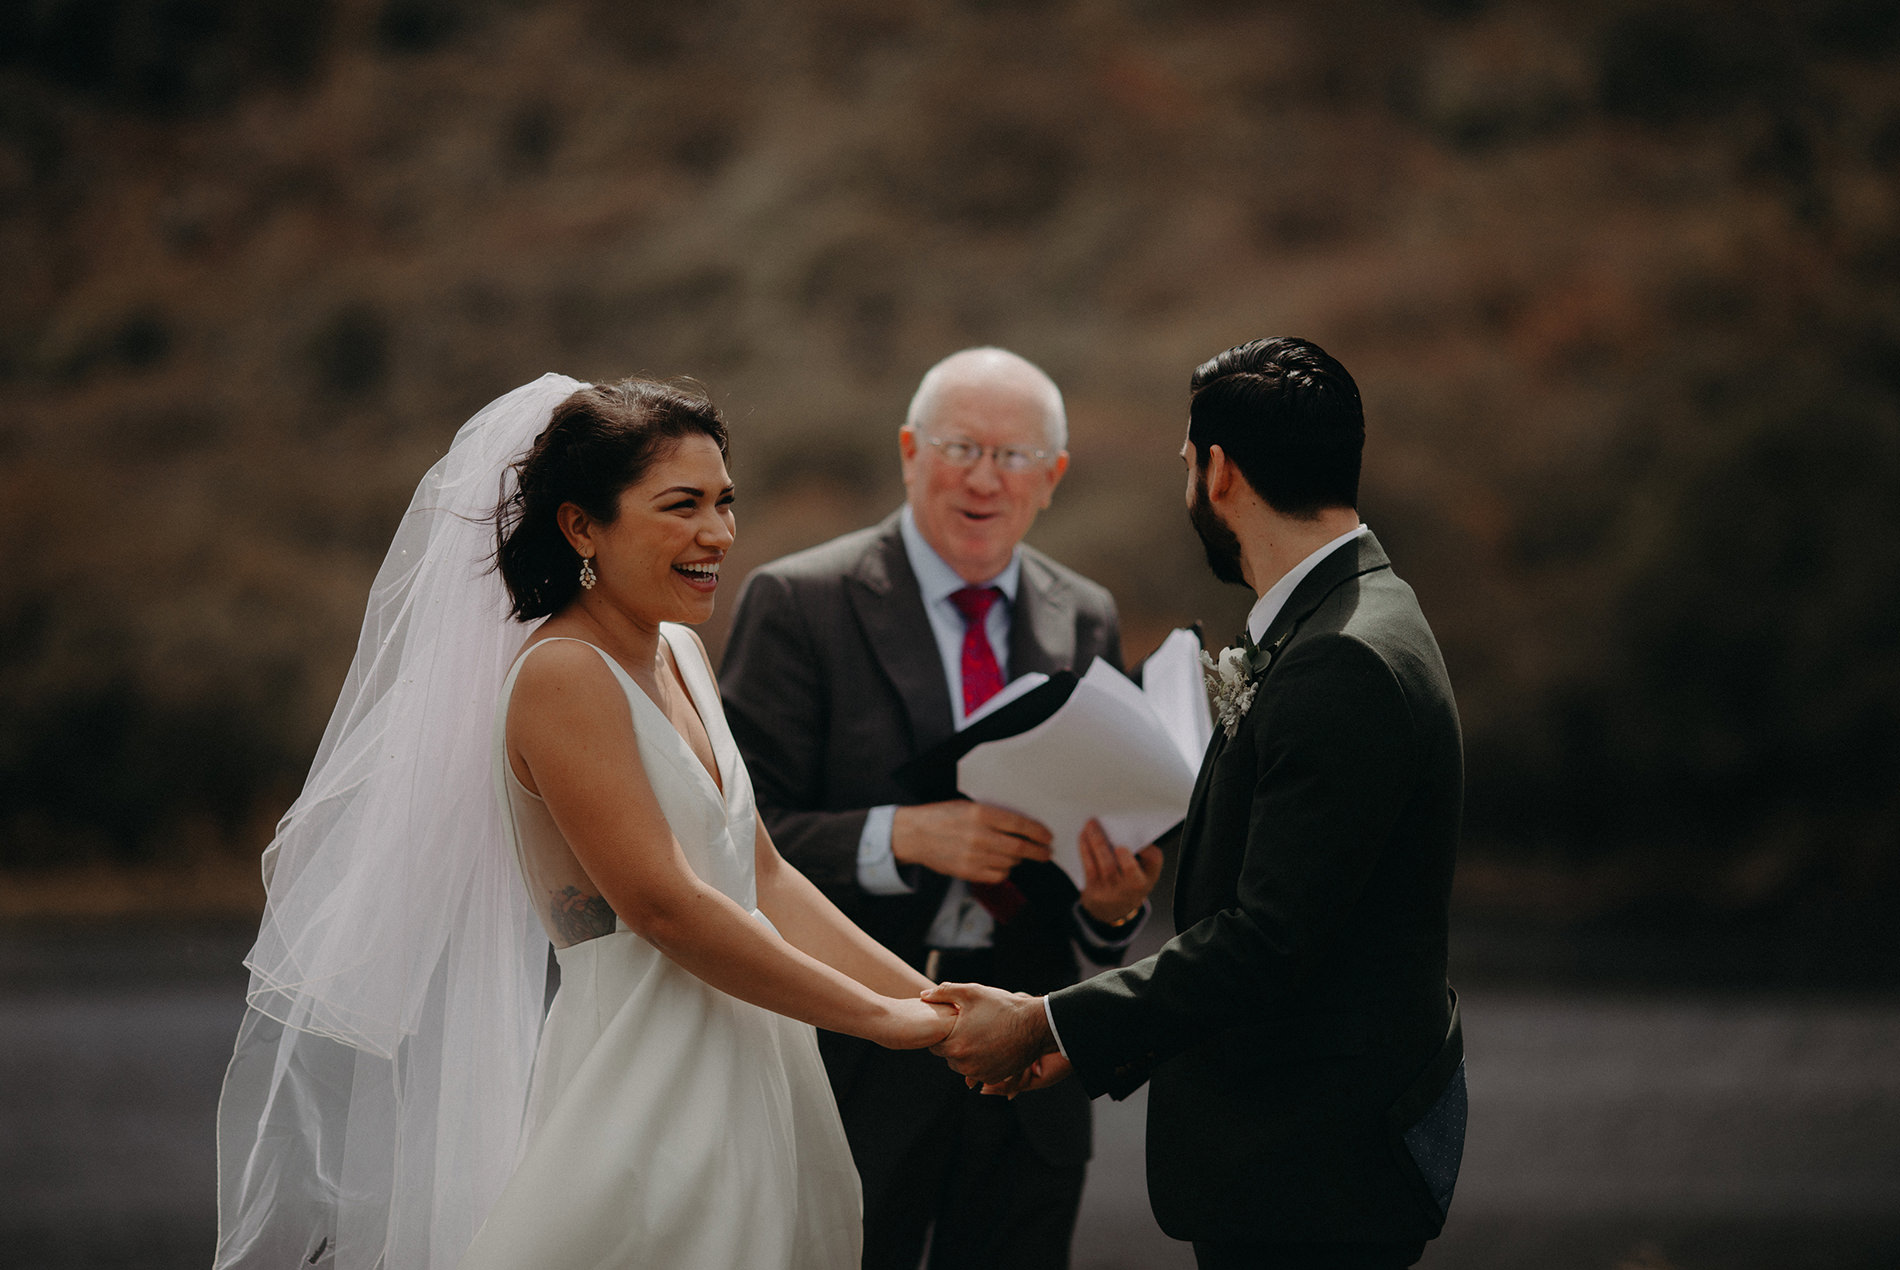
x=1044 y=1072
x=997 y=1035
x=1115 y=879
x=962 y=839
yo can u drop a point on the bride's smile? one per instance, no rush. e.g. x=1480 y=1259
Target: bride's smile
x=702 y=576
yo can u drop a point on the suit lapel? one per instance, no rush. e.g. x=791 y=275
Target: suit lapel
x=1041 y=623
x=889 y=606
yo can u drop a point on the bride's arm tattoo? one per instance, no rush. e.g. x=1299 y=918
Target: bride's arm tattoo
x=580 y=917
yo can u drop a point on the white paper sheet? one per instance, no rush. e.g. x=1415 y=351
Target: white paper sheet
x=1173 y=681
x=1106 y=754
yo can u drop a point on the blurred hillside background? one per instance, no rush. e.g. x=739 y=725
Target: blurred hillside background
x=1619 y=279
x=1620 y=282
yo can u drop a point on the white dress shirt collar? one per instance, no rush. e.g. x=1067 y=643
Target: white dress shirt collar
x=936 y=579
x=1268 y=606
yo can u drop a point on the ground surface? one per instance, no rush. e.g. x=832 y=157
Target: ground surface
x=1657 y=1130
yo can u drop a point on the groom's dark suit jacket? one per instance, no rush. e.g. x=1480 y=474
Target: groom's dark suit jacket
x=1301 y=1023
x=832 y=680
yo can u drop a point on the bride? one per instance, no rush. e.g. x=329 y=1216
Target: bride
x=395 y=1099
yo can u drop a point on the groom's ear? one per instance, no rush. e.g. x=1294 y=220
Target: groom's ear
x=1221 y=474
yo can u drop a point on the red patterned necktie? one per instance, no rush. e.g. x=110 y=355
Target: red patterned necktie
x=983 y=679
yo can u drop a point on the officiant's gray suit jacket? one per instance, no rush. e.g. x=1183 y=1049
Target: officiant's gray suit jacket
x=832 y=680
x=1299 y=1036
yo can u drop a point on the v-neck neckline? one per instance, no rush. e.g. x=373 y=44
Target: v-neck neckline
x=717 y=777
x=714 y=774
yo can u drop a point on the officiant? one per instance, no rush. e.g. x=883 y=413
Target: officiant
x=849 y=659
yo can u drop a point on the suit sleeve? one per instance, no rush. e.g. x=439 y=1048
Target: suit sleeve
x=778 y=705
x=1334 y=762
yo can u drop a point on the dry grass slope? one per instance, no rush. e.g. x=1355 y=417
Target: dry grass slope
x=1618 y=281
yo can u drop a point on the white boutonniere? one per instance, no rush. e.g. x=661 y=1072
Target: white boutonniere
x=1232 y=679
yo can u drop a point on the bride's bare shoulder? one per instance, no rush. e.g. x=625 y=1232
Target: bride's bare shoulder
x=555 y=667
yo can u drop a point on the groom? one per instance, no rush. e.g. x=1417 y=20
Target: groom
x=1307 y=1096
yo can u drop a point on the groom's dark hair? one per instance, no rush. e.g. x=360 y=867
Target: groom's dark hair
x=1288 y=416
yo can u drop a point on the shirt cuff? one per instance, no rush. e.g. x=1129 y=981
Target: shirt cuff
x=1100 y=936
x=877 y=868
x=1050 y=1015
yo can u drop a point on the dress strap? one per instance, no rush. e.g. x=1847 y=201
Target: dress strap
x=697 y=671
x=694 y=667
x=508 y=684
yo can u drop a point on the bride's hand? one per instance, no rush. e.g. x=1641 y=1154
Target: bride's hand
x=915 y=1025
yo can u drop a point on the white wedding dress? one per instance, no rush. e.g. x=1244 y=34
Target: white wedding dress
x=669 y=1124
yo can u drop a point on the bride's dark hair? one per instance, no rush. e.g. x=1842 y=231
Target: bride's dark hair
x=598 y=441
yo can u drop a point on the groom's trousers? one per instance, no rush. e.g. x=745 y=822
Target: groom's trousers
x=1291 y=1256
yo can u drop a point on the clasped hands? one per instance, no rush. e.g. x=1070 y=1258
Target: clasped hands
x=1000 y=1042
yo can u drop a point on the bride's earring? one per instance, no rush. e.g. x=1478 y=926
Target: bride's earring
x=587 y=573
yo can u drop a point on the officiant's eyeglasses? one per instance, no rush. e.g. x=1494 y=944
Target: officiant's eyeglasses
x=1008 y=457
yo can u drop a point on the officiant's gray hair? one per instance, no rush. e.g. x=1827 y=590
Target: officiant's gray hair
x=974 y=365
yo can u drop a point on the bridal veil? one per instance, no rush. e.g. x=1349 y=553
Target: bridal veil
x=373 y=1106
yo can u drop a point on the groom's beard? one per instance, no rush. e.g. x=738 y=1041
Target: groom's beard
x=1220 y=543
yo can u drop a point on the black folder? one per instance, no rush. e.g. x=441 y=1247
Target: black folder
x=932 y=776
